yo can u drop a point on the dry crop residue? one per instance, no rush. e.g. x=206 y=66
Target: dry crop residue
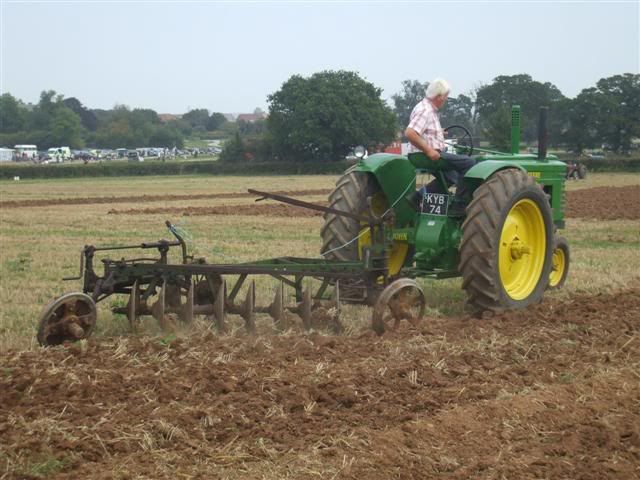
x=550 y=392
x=605 y=203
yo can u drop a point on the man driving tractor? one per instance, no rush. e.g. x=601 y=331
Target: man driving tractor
x=426 y=135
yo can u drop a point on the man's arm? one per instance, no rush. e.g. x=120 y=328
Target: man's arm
x=421 y=143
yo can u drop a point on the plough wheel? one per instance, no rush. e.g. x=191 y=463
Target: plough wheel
x=70 y=317
x=400 y=300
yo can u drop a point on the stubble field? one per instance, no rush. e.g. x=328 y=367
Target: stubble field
x=551 y=392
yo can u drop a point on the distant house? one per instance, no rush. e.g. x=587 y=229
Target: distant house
x=167 y=117
x=250 y=117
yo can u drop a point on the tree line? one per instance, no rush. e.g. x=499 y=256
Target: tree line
x=321 y=117
x=56 y=121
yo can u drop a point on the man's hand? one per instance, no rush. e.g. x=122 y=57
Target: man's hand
x=433 y=154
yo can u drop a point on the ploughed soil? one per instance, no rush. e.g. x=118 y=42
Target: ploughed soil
x=603 y=203
x=550 y=392
x=149 y=198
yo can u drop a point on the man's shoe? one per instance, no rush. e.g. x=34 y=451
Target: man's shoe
x=457 y=209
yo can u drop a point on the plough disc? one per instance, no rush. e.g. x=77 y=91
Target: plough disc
x=70 y=317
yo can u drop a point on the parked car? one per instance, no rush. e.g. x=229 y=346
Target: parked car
x=595 y=155
x=134 y=156
x=82 y=155
x=106 y=154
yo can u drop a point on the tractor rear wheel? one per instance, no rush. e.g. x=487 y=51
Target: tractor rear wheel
x=582 y=171
x=343 y=238
x=507 y=243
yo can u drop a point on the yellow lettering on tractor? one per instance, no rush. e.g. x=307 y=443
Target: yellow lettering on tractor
x=534 y=174
x=400 y=236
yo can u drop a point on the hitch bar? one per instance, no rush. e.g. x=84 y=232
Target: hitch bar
x=313 y=206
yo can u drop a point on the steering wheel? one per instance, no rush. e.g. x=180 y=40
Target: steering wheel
x=462 y=136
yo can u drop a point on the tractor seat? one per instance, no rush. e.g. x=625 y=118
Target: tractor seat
x=438 y=168
x=424 y=163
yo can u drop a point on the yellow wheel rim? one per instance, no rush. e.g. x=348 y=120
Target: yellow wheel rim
x=522 y=249
x=559 y=265
x=399 y=250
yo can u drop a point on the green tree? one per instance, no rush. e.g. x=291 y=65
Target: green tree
x=198 y=119
x=498 y=129
x=325 y=115
x=87 y=117
x=252 y=128
x=166 y=136
x=216 y=121
x=233 y=150
x=65 y=128
x=608 y=114
x=13 y=114
x=508 y=90
x=620 y=107
x=412 y=92
x=458 y=111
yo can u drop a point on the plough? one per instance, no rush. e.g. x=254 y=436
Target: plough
x=165 y=291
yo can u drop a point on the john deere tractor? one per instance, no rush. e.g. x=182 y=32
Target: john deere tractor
x=505 y=245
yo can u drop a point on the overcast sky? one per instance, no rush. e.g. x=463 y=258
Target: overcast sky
x=228 y=56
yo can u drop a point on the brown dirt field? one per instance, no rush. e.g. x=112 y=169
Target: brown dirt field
x=148 y=198
x=550 y=392
x=604 y=203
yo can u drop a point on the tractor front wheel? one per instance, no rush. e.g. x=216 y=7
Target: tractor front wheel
x=507 y=243
x=560 y=264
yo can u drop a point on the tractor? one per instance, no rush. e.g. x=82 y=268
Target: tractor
x=505 y=247
x=376 y=241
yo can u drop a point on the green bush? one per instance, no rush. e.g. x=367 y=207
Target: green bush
x=117 y=169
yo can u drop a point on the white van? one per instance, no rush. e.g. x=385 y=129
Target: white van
x=59 y=154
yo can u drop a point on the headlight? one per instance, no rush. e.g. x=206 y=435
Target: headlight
x=359 y=151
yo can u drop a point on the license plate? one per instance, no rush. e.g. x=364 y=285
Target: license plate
x=435 y=203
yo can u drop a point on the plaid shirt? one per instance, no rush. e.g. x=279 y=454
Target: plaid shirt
x=424 y=120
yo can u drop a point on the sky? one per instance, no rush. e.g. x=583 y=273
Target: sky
x=229 y=56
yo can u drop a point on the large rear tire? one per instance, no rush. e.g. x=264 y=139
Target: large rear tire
x=343 y=238
x=507 y=243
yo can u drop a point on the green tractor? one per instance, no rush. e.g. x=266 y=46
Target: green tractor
x=505 y=246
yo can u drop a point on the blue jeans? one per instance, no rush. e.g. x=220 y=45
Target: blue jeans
x=460 y=164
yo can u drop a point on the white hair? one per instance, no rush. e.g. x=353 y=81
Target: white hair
x=438 y=87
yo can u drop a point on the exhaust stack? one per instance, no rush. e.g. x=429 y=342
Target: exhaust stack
x=543 y=134
x=515 y=129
